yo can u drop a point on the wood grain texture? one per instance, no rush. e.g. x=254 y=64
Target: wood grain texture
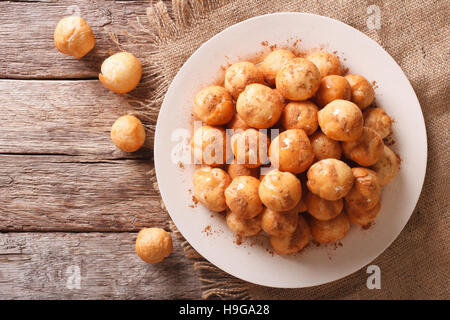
x=42 y=266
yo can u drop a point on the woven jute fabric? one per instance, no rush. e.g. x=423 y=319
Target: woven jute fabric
x=415 y=33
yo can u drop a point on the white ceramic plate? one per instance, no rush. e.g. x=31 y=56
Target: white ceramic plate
x=314 y=265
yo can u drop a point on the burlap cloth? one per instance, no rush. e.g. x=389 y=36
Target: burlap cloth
x=416 y=34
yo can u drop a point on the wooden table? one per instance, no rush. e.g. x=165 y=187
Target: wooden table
x=70 y=202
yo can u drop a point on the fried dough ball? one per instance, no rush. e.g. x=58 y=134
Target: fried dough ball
x=209 y=187
x=298 y=79
x=324 y=147
x=366 y=191
x=322 y=209
x=73 y=36
x=280 y=191
x=300 y=115
x=243 y=227
x=121 y=72
x=214 y=105
x=279 y=223
x=259 y=106
x=153 y=244
x=378 y=120
x=235 y=169
x=250 y=147
x=242 y=197
x=331 y=88
x=366 y=150
x=294 y=242
x=341 y=120
x=362 y=217
x=209 y=145
x=241 y=74
x=273 y=62
x=362 y=90
x=292 y=151
x=327 y=63
x=326 y=231
x=387 y=166
x=237 y=123
x=330 y=179
x=128 y=133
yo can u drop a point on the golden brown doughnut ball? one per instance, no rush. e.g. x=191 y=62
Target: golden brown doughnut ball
x=327 y=63
x=300 y=115
x=331 y=88
x=294 y=242
x=259 y=106
x=291 y=151
x=153 y=244
x=326 y=231
x=128 y=133
x=209 y=187
x=378 y=120
x=273 y=62
x=243 y=227
x=324 y=147
x=362 y=90
x=73 y=36
x=235 y=169
x=250 y=147
x=298 y=79
x=280 y=191
x=209 y=145
x=322 y=209
x=241 y=74
x=214 y=105
x=279 y=223
x=341 y=120
x=366 y=150
x=121 y=72
x=366 y=191
x=362 y=217
x=387 y=166
x=330 y=179
x=242 y=197
x=237 y=123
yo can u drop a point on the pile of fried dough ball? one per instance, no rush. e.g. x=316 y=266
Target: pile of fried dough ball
x=120 y=73
x=329 y=161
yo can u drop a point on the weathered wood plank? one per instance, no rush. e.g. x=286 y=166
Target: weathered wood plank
x=44 y=266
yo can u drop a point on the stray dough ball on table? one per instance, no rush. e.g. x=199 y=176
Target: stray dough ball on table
x=128 y=133
x=362 y=91
x=214 y=105
x=121 y=72
x=279 y=223
x=280 y=191
x=292 y=243
x=330 y=179
x=341 y=120
x=242 y=197
x=153 y=245
x=322 y=209
x=291 y=151
x=259 y=106
x=362 y=217
x=366 y=191
x=250 y=147
x=366 y=150
x=241 y=74
x=378 y=120
x=73 y=36
x=387 y=166
x=300 y=115
x=243 y=227
x=324 y=147
x=330 y=230
x=327 y=63
x=209 y=187
x=273 y=62
x=236 y=170
x=331 y=88
x=237 y=123
x=209 y=145
x=298 y=79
